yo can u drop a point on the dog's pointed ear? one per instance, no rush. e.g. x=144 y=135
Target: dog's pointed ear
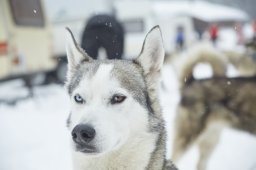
x=151 y=60
x=152 y=54
x=75 y=53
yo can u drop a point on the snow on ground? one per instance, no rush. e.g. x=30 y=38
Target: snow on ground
x=34 y=136
x=33 y=133
x=7 y=90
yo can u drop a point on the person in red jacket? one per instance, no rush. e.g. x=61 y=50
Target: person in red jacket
x=213 y=31
x=254 y=30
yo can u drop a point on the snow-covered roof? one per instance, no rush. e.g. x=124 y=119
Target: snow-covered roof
x=205 y=11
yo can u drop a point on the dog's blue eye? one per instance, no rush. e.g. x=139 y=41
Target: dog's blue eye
x=78 y=99
x=117 y=98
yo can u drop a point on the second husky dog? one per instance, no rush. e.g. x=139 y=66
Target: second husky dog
x=208 y=105
x=116 y=121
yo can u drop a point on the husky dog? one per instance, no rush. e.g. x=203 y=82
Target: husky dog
x=116 y=121
x=208 y=105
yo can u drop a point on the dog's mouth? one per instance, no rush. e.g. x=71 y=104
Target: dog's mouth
x=88 y=149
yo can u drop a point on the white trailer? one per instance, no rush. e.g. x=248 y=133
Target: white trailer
x=25 y=39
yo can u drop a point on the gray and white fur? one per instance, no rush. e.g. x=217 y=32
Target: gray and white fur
x=116 y=121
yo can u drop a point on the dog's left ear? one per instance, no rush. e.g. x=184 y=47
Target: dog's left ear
x=152 y=54
x=75 y=54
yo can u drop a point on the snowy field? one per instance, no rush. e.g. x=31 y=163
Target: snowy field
x=34 y=136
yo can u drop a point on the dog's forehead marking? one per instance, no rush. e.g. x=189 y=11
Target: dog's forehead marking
x=97 y=81
x=103 y=73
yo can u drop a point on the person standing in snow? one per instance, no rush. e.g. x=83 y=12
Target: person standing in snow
x=213 y=31
x=239 y=33
x=180 y=38
x=254 y=30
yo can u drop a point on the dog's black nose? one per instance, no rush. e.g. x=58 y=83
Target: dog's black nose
x=83 y=134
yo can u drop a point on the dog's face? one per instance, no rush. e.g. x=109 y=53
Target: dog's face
x=110 y=104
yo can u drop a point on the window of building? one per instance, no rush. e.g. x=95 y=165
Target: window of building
x=134 y=25
x=27 y=12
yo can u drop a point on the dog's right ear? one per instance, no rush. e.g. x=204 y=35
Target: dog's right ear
x=75 y=54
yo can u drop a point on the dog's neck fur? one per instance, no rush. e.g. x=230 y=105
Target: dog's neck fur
x=137 y=154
